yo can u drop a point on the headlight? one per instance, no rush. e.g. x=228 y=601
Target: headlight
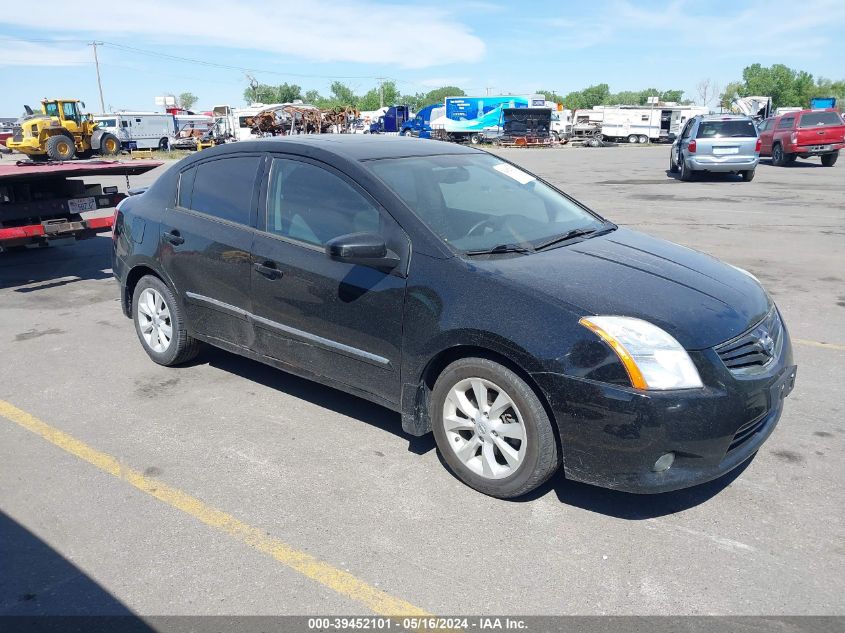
x=652 y=357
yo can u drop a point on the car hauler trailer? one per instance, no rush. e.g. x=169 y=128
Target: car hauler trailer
x=41 y=202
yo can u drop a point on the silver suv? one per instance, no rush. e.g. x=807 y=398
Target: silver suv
x=716 y=143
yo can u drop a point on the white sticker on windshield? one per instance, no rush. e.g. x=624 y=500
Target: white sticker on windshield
x=517 y=174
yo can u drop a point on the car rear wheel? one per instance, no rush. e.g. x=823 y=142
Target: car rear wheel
x=633 y=139
x=747 y=175
x=643 y=139
x=475 y=139
x=829 y=160
x=163 y=145
x=60 y=147
x=491 y=429
x=779 y=157
x=160 y=324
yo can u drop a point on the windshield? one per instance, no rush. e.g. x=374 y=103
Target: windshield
x=817 y=119
x=477 y=202
x=725 y=129
x=106 y=122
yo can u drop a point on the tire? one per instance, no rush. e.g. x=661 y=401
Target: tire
x=686 y=172
x=555 y=137
x=829 y=160
x=60 y=147
x=643 y=139
x=747 y=175
x=158 y=301
x=778 y=155
x=533 y=458
x=673 y=166
x=475 y=139
x=633 y=139
x=163 y=145
x=109 y=145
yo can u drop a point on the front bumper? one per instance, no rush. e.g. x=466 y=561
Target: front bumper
x=612 y=436
x=723 y=163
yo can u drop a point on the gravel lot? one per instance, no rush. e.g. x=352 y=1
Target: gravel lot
x=334 y=476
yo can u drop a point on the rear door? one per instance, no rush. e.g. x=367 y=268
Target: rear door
x=820 y=128
x=726 y=138
x=206 y=241
x=328 y=318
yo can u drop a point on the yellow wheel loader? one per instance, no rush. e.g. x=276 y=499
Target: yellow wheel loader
x=60 y=132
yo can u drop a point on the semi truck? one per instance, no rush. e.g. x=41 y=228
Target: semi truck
x=44 y=202
x=469 y=118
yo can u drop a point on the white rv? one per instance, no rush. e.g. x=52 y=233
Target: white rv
x=139 y=130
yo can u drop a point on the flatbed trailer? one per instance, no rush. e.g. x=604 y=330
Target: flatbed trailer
x=40 y=202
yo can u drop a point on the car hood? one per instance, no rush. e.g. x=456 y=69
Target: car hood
x=696 y=298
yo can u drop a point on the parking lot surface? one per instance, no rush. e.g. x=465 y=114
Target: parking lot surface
x=326 y=476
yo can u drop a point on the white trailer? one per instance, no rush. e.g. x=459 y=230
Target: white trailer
x=139 y=130
x=631 y=125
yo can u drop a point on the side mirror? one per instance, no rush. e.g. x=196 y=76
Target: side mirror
x=364 y=249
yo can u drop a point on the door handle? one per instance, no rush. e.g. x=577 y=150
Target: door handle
x=268 y=269
x=173 y=237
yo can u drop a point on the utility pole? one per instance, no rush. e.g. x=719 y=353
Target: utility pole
x=380 y=91
x=99 y=82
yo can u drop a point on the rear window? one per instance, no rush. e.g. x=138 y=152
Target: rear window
x=726 y=129
x=818 y=119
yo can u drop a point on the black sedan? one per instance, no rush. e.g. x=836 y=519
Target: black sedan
x=480 y=302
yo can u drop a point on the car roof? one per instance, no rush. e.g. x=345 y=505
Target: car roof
x=356 y=147
x=724 y=117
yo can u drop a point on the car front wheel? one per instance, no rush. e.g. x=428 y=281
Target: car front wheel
x=491 y=429
x=686 y=172
x=160 y=324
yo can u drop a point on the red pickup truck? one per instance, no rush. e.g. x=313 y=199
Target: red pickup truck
x=806 y=133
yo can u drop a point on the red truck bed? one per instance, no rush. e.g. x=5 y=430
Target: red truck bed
x=38 y=202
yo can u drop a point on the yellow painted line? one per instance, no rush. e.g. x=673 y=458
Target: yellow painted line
x=821 y=344
x=335 y=579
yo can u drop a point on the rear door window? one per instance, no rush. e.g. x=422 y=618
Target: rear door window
x=786 y=123
x=224 y=188
x=726 y=129
x=819 y=119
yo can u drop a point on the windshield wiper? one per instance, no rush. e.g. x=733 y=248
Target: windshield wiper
x=502 y=248
x=569 y=235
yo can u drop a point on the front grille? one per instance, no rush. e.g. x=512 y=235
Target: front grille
x=747 y=432
x=755 y=348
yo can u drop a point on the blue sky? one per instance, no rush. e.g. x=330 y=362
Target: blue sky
x=508 y=47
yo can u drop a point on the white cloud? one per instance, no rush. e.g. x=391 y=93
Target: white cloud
x=746 y=31
x=359 y=31
x=17 y=53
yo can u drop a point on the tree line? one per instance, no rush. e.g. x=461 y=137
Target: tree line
x=786 y=86
x=341 y=95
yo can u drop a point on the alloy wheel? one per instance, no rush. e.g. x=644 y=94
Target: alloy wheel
x=154 y=320
x=484 y=428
